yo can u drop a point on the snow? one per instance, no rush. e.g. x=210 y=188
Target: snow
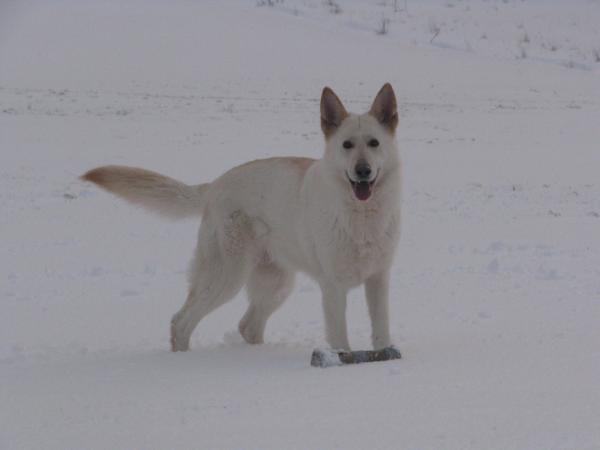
x=496 y=285
x=323 y=357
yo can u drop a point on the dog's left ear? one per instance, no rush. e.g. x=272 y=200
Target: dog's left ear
x=384 y=108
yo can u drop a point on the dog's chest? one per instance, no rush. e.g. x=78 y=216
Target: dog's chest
x=364 y=245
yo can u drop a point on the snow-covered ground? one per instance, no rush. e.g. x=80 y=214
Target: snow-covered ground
x=496 y=287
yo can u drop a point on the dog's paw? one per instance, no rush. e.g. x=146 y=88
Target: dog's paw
x=251 y=333
x=177 y=343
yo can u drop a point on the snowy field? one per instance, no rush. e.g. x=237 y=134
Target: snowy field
x=496 y=285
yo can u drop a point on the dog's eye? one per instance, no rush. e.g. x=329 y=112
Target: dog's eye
x=348 y=145
x=373 y=143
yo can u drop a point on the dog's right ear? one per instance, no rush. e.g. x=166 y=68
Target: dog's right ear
x=332 y=112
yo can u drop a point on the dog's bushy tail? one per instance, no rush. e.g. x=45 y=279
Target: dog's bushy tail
x=150 y=190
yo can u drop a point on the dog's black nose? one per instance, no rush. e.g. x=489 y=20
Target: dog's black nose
x=363 y=170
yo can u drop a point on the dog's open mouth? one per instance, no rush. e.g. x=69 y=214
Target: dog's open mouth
x=362 y=189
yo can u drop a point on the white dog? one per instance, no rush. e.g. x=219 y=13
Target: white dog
x=335 y=219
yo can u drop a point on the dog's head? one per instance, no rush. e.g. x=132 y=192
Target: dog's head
x=360 y=149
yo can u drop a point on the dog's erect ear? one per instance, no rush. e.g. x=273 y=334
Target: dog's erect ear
x=332 y=112
x=384 y=107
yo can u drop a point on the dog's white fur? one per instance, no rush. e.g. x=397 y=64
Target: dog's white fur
x=267 y=219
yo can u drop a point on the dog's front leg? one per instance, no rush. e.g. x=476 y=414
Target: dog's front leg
x=334 y=307
x=377 y=293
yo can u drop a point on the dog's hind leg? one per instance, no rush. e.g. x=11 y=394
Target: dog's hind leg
x=268 y=287
x=221 y=267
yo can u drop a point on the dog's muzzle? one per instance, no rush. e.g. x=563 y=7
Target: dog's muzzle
x=362 y=185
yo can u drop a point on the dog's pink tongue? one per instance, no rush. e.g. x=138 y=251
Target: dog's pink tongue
x=362 y=190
